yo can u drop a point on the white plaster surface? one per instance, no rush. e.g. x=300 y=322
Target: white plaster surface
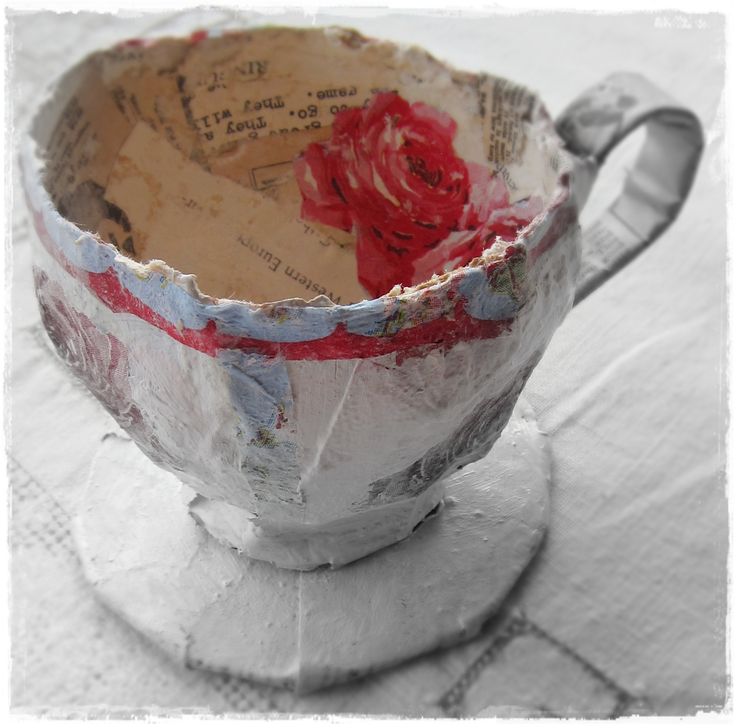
x=210 y=607
x=624 y=610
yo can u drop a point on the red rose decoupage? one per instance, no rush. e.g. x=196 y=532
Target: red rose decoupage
x=99 y=359
x=390 y=174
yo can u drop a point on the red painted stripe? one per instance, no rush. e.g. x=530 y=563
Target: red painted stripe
x=340 y=344
x=565 y=216
x=198 y=36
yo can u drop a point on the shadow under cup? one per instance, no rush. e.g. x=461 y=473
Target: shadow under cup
x=382 y=246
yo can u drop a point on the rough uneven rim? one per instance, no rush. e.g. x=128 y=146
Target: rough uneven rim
x=32 y=167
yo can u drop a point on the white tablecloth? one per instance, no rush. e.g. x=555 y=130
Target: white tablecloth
x=624 y=609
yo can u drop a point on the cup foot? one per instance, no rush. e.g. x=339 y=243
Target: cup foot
x=212 y=608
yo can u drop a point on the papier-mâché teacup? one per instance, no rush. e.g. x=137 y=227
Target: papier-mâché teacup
x=310 y=273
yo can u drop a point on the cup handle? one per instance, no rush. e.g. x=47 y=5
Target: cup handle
x=653 y=191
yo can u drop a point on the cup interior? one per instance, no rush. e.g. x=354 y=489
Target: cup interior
x=295 y=164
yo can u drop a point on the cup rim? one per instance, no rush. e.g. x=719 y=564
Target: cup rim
x=320 y=306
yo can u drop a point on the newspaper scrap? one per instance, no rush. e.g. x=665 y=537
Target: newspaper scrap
x=240 y=243
x=184 y=151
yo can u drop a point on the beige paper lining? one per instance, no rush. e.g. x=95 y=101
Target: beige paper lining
x=183 y=152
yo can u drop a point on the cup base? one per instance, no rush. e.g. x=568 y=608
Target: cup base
x=212 y=608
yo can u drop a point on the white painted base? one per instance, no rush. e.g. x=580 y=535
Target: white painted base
x=212 y=608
